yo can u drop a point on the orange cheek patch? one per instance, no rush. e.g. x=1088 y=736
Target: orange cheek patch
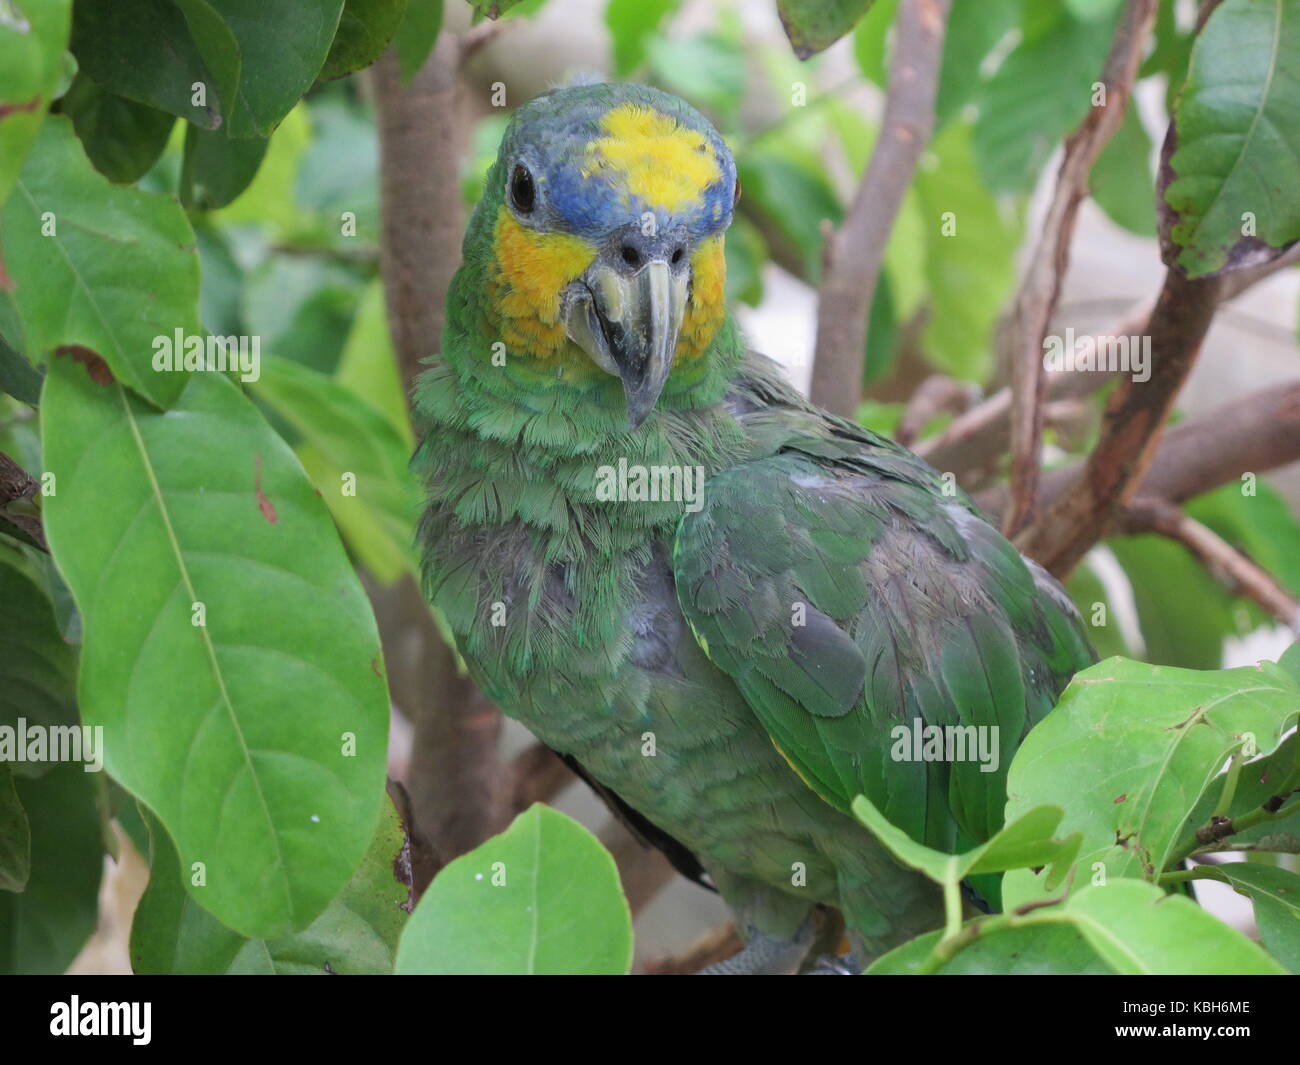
x=708 y=302
x=531 y=270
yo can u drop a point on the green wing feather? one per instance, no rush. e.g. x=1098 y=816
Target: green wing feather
x=847 y=594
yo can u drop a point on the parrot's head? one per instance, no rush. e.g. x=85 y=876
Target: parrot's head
x=605 y=212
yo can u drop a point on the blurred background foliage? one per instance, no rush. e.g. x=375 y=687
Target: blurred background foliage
x=287 y=229
x=286 y=215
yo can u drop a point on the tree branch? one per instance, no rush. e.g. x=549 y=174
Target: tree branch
x=853 y=254
x=459 y=789
x=1131 y=427
x=1036 y=300
x=1253 y=434
x=1237 y=572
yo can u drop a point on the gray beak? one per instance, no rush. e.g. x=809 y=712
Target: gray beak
x=627 y=321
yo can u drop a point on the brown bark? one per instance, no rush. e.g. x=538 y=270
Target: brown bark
x=854 y=252
x=1036 y=301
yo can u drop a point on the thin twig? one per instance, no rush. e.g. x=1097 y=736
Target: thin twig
x=937 y=394
x=1036 y=300
x=853 y=253
x=1225 y=562
x=1249 y=436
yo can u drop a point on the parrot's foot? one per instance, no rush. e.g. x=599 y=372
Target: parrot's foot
x=765 y=955
x=835 y=965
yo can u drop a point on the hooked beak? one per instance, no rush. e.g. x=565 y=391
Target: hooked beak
x=628 y=324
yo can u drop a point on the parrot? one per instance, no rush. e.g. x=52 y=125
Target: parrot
x=729 y=611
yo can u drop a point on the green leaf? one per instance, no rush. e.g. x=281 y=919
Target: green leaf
x=17 y=376
x=121 y=137
x=357 y=460
x=1183 y=612
x=269 y=201
x=542 y=898
x=1141 y=931
x=283 y=45
x=217 y=168
x=1093 y=601
x=1261 y=525
x=975 y=27
x=1021 y=844
x=15 y=835
x=1041 y=91
x=1122 y=182
x=796 y=196
x=97 y=266
x=37 y=669
x=356 y=934
x=33 y=35
x=417 y=36
x=970 y=248
x=1276 y=895
x=156 y=52
x=230 y=652
x=44 y=928
x=1033 y=950
x=1258 y=781
x=368 y=365
x=1129 y=751
x=1234 y=143
x=869 y=41
x=815 y=25
x=708 y=69
x=365 y=28
x=631 y=22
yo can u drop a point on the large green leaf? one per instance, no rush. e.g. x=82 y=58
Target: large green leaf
x=1129 y=751
x=1141 y=931
x=230 y=653
x=156 y=52
x=283 y=45
x=121 y=137
x=33 y=35
x=1035 y=950
x=37 y=669
x=97 y=266
x=542 y=898
x=814 y=25
x=1276 y=895
x=1234 y=145
x=356 y=934
x=15 y=835
x=365 y=28
x=43 y=928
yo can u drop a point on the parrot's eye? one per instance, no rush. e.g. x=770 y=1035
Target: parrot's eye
x=522 y=193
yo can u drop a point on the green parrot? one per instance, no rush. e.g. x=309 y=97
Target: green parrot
x=730 y=611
